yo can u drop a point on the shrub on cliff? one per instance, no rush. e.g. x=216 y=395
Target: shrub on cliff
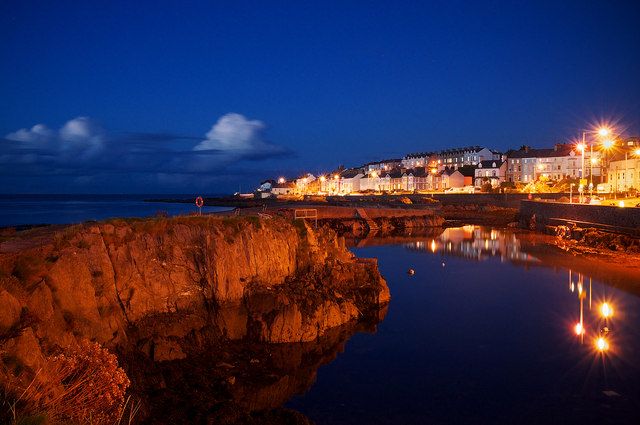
x=83 y=384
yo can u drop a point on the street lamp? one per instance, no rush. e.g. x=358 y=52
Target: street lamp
x=607 y=145
x=603 y=133
x=581 y=147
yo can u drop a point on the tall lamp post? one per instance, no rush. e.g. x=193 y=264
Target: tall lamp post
x=607 y=145
x=582 y=147
x=603 y=134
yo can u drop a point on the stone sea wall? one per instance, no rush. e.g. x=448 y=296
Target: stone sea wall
x=537 y=215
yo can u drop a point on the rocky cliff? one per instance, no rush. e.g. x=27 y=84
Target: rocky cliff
x=158 y=288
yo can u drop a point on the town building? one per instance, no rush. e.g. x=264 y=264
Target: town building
x=349 y=181
x=266 y=185
x=384 y=165
x=623 y=169
x=285 y=188
x=303 y=182
x=562 y=161
x=492 y=171
x=459 y=157
x=418 y=159
x=451 y=178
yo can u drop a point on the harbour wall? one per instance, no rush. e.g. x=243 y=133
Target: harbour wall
x=537 y=215
x=504 y=200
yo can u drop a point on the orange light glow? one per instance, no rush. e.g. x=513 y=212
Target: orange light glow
x=608 y=144
x=281 y=180
x=602 y=344
x=580 y=147
x=579 y=329
x=606 y=310
x=603 y=131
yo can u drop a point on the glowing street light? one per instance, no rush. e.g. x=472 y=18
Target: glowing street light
x=604 y=131
x=281 y=180
x=608 y=144
x=606 y=310
x=602 y=344
x=323 y=178
x=579 y=329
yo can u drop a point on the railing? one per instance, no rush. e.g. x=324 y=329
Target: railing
x=309 y=213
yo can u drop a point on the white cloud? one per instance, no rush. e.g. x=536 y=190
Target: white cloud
x=39 y=133
x=233 y=133
x=81 y=147
x=82 y=135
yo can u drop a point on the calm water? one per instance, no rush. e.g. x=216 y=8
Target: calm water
x=63 y=209
x=484 y=332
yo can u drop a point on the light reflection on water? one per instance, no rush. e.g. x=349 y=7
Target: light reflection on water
x=495 y=326
x=475 y=242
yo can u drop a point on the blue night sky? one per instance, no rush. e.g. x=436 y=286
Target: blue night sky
x=144 y=97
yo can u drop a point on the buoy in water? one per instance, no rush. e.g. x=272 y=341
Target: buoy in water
x=411 y=272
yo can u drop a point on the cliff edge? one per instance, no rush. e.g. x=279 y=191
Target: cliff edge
x=159 y=288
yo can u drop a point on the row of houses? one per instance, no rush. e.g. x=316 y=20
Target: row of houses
x=397 y=179
x=471 y=166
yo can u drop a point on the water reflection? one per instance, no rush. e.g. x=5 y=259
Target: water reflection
x=475 y=242
x=512 y=330
x=600 y=319
x=218 y=380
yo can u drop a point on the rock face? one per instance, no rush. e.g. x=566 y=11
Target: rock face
x=150 y=287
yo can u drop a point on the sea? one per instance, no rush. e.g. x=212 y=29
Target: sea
x=26 y=210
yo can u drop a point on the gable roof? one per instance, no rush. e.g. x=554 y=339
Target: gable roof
x=561 y=149
x=348 y=174
x=396 y=173
x=467 y=170
x=416 y=155
x=490 y=164
x=418 y=172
